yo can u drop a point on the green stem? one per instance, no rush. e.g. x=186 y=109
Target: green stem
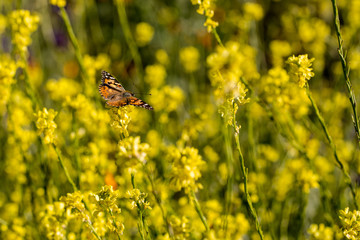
x=245 y=174
x=346 y=70
x=128 y=37
x=93 y=231
x=198 y=210
x=64 y=168
x=142 y=226
x=230 y=180
x=332 y=145
x=74 y=42
x=217 y=37
x=114 y=222
x=158 y=200
x=92 y=228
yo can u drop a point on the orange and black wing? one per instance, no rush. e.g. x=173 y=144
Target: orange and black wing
x=108 y=79
x=115 y=94
x=110 y=88
x=138 y=102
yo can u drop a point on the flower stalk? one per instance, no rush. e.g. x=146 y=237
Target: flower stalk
x=346 y=70
x=245 y=174
x=198 y=210
x=64 y=168
x=331 y=143
x=128 y=37
x=74 y=41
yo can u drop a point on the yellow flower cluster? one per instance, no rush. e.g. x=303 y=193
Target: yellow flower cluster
x=186 y=168
x=350 y=223
x=120 y=119
x=58 y=3
x=63 y=88
x=168 y=98
x=106 y=200
x=46 y=124
x=53 y=218
x=277 y=90
x=205 y=8
x=73 y=201
x=138 y=199
x=320 y=232
x=295 y=171
x=22 y=24
x=300 y=70
x=189 y=58
x=155 y=75
x=180 y=226
x=144 y=33
x=132 y=151
x=227 y=65
x=7 y=73
x=253 y=10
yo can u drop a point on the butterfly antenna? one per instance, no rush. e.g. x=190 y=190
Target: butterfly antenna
x=142 y=93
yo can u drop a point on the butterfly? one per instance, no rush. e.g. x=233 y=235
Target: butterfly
x=116 y=95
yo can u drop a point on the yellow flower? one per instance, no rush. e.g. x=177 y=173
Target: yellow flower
x=205 y=8
x=227 y=65
x=144 y=33
x=46 y=125
x=106 y=198
x=22 y=24
x=162 y=57
x=59 y=3
x=300 y=70
x=7 y=74
x=155 y=75
x=61 y=89
x=350 y=223
x=186 y=169
x=180 y=226
x=253 y=10
x=167 y=98
x=53 y=220
x=106 y=201
x=308 y=180
x=120 y=119
x=279 y=49
x=132 y=151
x=320 y=232
x=189 y=58
x=138 y=199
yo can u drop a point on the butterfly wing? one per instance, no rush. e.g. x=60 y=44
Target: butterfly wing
x=139 y=103
x=110 y=88
x=108 y=79
x=115 y=94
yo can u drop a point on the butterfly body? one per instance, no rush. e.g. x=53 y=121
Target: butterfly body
x=115 y=94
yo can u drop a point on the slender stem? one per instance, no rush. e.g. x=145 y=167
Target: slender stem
x=346 y=71
x=245 y=174
x=92 y=228
x=64 y=168
x=94 y=232
x=74 y=42
x=158 y=200
x=198 y=210
x=114 y=222
x=217 y=37
x=128 y=37
x=230 y=180
x=142 y=226
x=332 y=144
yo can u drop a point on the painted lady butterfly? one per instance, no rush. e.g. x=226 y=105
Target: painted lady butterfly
x=115 y=94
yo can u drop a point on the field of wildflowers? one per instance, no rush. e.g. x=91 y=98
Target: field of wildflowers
x=255 y=131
